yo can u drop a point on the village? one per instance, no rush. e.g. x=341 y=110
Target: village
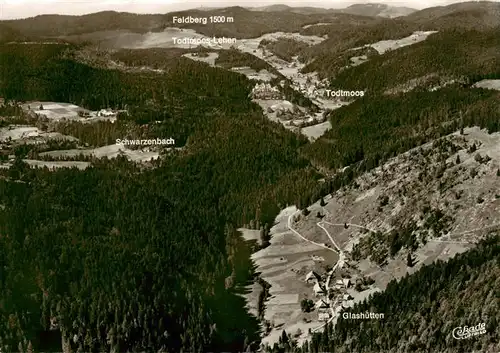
x=334 y=287
x=310 y=273
x=278 y=109
x=36 y=131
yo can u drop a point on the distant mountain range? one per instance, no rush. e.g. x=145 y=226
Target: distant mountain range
x=485 y=14
x=381 y=10
x=469 y=15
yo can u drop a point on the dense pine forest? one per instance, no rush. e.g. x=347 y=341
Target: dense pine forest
x=187 y=95
x=454 y=52
x=120 y=258
x=235 y=58
x=459 y=55
x=421 y=310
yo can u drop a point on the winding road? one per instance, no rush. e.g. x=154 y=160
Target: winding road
x=289 y=224
x=338 y=251
x=341 y=253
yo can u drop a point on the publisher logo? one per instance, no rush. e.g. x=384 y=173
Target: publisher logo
x=461 y=333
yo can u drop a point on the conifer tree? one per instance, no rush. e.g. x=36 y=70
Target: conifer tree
x=409 y=260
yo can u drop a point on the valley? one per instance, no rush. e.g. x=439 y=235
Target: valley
x=256 y=184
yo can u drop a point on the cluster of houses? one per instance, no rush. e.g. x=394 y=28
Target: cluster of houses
x=103 y=113
x=106 y=113
x=330 y=295
x=309 y=121
x=310 y=87
x=266 y=91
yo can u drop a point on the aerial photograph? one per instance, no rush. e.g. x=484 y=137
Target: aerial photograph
x=269 y=176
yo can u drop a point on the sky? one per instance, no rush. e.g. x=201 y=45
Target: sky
x=11 y=9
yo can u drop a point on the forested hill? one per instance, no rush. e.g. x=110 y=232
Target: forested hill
x=60 y=25
x=450 y=53
x=246 y=24
x=127 y=260
x=379 y=9
x=8 y=34
x=421 y=311
x=182 y=97
x=468 y=14
x=455 y=55
x=373 y=129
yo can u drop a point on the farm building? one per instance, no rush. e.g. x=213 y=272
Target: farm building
x=347 y=297
x=324 y=316
x=106 y=112
x=321 y=304
x=318 y=289
x=313 y=275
